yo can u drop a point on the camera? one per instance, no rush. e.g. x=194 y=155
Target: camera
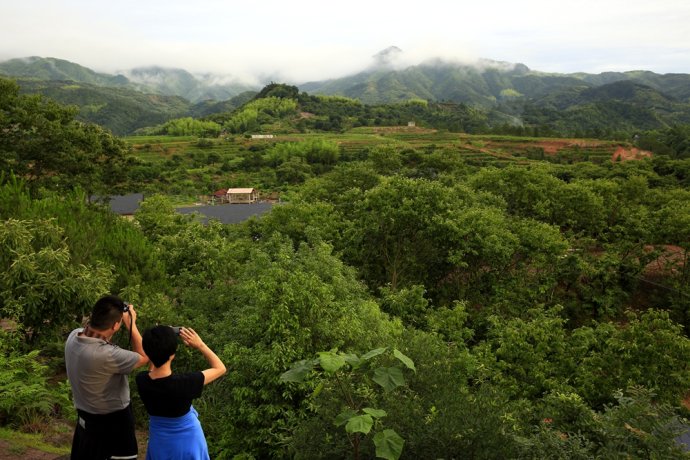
x=125 y=306
x=176 y=329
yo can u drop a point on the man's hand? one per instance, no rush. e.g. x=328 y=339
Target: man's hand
x=132 y=316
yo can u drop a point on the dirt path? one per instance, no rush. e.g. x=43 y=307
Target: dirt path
x=10 y=452
x=14 y=451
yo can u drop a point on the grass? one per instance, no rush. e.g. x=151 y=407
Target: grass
x=20 y=442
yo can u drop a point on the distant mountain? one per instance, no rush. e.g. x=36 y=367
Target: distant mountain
x=122 y=110
x=507 y=93
x=619 y=106
x=613 y=101
x=157 y=80
x=179 y=82
x=484 y=82
x=210 y=107
x=58 y=69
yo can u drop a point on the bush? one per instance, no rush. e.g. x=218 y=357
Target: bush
x=25 y=395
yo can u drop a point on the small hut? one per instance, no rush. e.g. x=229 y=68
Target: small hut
x=242 y=195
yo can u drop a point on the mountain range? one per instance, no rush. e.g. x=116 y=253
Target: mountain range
x=143 y=96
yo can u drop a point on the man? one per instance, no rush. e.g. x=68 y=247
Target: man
x=97 y=371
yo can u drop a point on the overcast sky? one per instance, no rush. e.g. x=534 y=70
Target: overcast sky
x=303 y=40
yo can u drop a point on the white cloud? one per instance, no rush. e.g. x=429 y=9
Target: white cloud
x=307 y=40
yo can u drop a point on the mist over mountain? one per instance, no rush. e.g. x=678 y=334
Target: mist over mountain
x=152 y=79
x=132 y=98
x=58 y=69
x=179 y=82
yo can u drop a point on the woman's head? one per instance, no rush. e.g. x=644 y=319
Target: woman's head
x=160 y=343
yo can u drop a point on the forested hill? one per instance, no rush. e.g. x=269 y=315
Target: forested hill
x=418 y=293
x=151 y=79
x=123 y=110
x=485 y=83
x=505 y=97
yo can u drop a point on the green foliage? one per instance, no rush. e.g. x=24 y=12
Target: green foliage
x=42 y=142
x=634 y=426
x=286 y=303
x=92 y=233
x=40 y=287
x=504 y=292
x=259 y=112
x=190 y=127
x=649 y=351
x=26 y=397
x=158 y=219
x=352 y=374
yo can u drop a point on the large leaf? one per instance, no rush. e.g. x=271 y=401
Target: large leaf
x=376 y=413
x=359 y=424
x=353 y=360
x=298 y=371
x=374 y=352
x=404 y=359
x=389 y=377
x=388 y=445
x=344 y=416
x=331 y=361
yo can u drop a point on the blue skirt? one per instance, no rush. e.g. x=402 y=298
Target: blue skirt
x=176 y=438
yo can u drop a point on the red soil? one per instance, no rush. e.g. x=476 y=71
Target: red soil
x=630 y=154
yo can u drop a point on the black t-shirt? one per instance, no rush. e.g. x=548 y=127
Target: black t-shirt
x=169 y=396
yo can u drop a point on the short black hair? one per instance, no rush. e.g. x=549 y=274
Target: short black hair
x=160 y=343
x=106 y=312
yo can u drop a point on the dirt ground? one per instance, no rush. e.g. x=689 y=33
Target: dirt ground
x=630 y=154
x=9 y=451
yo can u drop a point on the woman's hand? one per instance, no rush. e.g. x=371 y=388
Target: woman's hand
x=191 y=338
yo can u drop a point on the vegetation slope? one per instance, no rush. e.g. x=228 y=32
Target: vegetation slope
x=406 y=300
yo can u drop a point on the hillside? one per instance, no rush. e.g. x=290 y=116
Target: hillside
x=179 y=82
x=153 y=79
x=119 y=109
x=449 y=294
x=502 y=96
x=39 y=68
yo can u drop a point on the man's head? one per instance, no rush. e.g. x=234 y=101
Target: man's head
x=107 y=313
x=160 y=343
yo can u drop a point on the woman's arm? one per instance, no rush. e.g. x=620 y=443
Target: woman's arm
x=192 y=339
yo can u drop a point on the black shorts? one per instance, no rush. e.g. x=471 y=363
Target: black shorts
x=105 y=436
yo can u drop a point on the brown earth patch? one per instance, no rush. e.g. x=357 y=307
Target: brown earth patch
x=669 y=262
x=403 y=129
x=9 y=452
x=632 y=153
x=552 y=146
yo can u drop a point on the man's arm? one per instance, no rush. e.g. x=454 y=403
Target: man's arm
x=137 y=343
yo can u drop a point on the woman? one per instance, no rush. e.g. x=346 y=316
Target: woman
x=174 y=428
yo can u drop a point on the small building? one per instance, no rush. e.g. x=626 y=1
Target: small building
x=242 y=195
x=220 y=196
x=262 y=136
x=411 y=124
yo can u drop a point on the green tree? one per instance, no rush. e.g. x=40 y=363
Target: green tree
x=42 y=142
x=400 y=236
x=40 y=287
x=284 y=304
x=352 y=377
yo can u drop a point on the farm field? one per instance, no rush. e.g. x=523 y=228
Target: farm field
x=191 y=166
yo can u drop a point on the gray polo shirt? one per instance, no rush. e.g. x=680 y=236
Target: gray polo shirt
x=97 y=371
